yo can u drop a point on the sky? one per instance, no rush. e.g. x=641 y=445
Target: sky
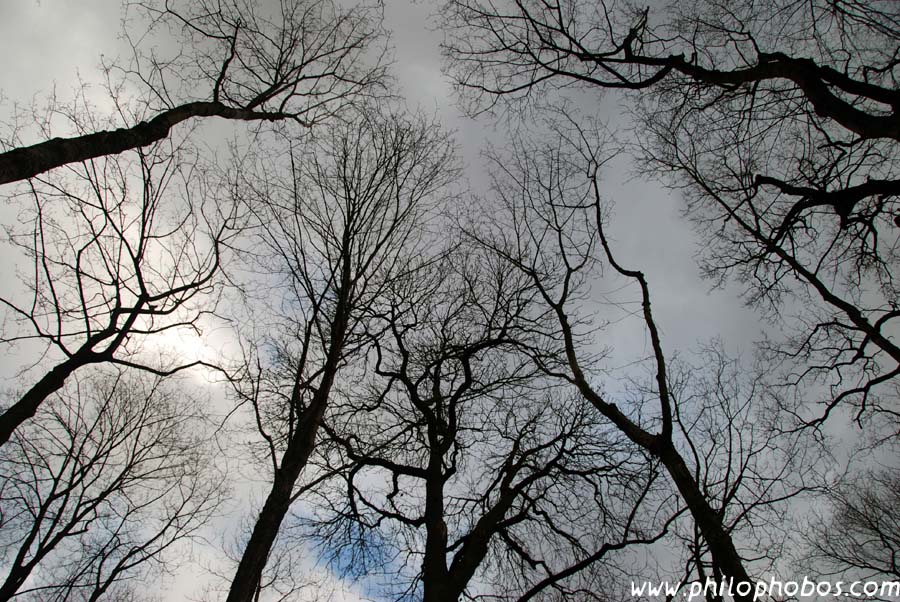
x=53 y=44
x=50 y=44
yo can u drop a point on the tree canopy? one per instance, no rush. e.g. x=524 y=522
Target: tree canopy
x=325 y=354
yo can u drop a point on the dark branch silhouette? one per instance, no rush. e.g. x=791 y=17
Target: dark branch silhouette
x=302 y=63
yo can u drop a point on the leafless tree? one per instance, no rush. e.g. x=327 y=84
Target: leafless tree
x=726 y=418
x=460 y=465
x=333 y=232
x=832 y=274
x=125 y=249
x=292 y=60
x=779 y=120
x=109 y=268
x=857 y=533
x=102 y=487
x=836 y=57
x=726 y=472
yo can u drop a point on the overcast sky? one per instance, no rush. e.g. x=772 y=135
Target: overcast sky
x=48 y=43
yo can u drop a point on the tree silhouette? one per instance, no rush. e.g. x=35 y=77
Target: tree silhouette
x=778 y=121
x=126 y=250
x=461 y=459
x=332 y=233
x=295 y=61
x=554 y=233
x=101 y=488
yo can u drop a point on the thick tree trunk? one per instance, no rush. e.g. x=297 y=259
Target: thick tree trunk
x=708 y=520
x=26 y=162
x=12 y=584
x=435 y=575
x=28 y=404
x=256 y=554
x=436 y=590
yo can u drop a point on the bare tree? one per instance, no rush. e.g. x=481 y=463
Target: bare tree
x=292 y=60
x=126 y=250
x=857 y=533
x=102 y=487
x=842 y=66
x=332 y=233
x=831 y=270
x=778 y=119
x=726 y=427
x=459 y=463
x=554 y=233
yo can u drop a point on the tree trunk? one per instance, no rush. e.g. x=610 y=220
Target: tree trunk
x=256 y=554
x=435 y=575
x=708 y=520
x=720 y=545
x=28 y=404
x=26 y=162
